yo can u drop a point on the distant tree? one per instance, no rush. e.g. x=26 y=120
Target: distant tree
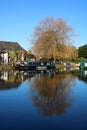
x=72 y=52
x=51 y=38
x=29 y=51
x=82 y=51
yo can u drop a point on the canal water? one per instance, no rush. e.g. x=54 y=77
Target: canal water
x=43 y=100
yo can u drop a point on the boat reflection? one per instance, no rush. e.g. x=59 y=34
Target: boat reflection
x=83 y=75
x=12 y=79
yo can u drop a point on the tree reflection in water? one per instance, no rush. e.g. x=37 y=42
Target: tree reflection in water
x=52 y=95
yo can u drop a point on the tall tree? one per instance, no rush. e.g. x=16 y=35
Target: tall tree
x=51 y=38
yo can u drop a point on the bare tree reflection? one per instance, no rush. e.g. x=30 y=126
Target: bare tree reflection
x=52 y=95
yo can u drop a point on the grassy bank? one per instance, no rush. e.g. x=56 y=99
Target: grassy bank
x=6 y=67
x=61 y=66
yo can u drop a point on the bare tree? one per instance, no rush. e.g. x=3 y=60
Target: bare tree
x=51 y=38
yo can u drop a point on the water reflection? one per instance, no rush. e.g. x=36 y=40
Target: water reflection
x=52 y=94
x=49 y=78
x=12 y=79
x=9 y=79
x=45 y=99
x=83 y=75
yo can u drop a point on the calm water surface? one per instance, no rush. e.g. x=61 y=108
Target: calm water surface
x=43 y=100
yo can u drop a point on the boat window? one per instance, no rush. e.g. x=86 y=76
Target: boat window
x=48 y=63
x=34 y=63
x=25 y=62
x=42 y=63
x=30 y=63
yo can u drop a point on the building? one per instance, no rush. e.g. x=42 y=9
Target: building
x=3 y=57
x=10 y=52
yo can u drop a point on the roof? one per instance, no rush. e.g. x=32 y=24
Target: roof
x=11 y=46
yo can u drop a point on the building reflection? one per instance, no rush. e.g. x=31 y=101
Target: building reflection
x=9 y=80
x=12 y=79
x=43 y=78
x=52 y=94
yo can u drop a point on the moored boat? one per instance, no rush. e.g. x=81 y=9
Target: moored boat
x=35 y=65
x=83 y=64
x=26 y=66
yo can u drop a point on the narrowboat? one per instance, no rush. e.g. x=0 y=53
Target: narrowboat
x=36 y=65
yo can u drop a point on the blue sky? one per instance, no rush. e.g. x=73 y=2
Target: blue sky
x=18 y=18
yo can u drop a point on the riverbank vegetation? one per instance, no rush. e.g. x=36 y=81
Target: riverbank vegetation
x=6 y=67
